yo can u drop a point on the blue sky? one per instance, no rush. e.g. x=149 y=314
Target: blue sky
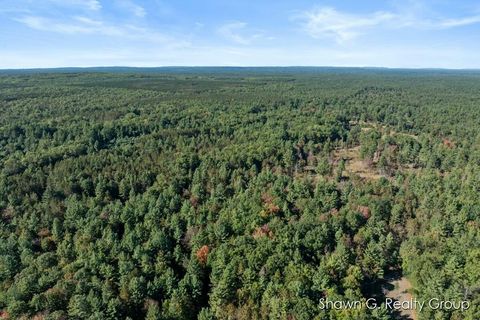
x=408 y=33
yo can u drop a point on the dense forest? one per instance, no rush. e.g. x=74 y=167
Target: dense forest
x=237 y=194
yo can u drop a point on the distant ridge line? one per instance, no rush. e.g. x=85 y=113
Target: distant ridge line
x=227 y=69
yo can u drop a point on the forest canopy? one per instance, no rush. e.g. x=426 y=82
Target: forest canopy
x=236 y=193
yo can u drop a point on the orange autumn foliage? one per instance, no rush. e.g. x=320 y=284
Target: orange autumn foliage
x=202 y=254
x=4 y=314
x=270 y=206
x=263 y=231
x=448 y=143
x=365 y=211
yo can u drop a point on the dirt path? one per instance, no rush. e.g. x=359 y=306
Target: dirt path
x=400 y=291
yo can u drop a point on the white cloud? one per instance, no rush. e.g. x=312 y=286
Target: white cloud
x=236 y=32
x=133 y=8
x=328 y=22
x=88 y=21
x=78 y=25
x=93 y=5
x=81 y=25
x=139 y=11
x=342 y=27
x=451 y=23
x=231 y=32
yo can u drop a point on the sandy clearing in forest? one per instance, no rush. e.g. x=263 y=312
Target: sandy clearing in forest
x=354 y=164
x=401 y=292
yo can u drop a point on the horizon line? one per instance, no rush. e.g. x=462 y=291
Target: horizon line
x=235 y=66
